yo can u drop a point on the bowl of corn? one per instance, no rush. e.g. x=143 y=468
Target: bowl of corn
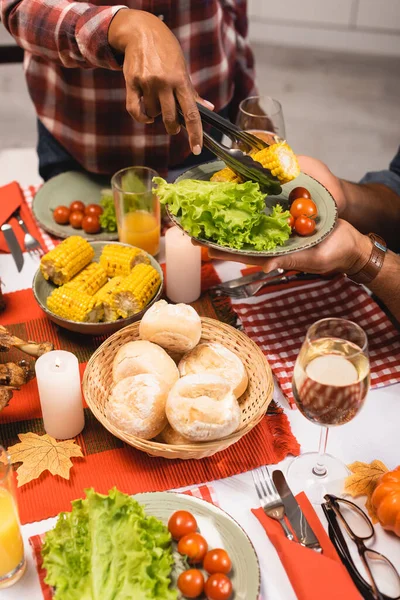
x=96 y=288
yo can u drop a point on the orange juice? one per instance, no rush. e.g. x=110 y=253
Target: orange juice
x=141 y=229
x=11 y=544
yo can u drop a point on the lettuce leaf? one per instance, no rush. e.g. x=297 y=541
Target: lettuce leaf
x=230 y=214
x=107 y=548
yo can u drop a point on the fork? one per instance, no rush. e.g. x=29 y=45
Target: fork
x=251 y=289
x=270 y=500
x=32 y=245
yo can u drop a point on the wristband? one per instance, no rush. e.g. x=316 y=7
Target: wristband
x=374 y=264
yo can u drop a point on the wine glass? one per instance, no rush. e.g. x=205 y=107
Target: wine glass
x=263 y=117
x=330 y=383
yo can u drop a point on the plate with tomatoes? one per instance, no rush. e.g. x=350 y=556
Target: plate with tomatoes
x=69 y=204
x=214 y=558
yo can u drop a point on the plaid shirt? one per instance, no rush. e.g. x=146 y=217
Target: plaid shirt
x=76 y=81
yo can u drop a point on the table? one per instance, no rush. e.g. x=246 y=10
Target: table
x=372 y=434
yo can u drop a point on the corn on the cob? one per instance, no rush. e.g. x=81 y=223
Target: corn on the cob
x=136 y=290
x=120 y=260
x=89 y=280
x=280 y=160
x=71 y=304
x=105 y=297
x=66 y=260
x=226 y=175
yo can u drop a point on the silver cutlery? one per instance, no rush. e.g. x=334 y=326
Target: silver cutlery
x=245 y=279
x=32 y=245
x=270 y=500
x=250 y=290
x=14 y=247
x=295 y=515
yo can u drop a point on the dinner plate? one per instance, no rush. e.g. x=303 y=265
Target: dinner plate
x=220 y=531
x=64 y=189
x=325 y=222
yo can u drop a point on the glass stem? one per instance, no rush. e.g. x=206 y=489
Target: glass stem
x=320 y=470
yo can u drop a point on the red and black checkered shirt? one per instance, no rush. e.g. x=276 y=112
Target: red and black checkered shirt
x=78 y=88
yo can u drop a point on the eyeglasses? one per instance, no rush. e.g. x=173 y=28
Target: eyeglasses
x=359 y=528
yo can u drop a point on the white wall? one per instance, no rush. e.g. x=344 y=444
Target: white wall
x=367 y=26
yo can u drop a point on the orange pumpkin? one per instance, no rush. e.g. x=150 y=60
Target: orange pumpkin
x=386 y=500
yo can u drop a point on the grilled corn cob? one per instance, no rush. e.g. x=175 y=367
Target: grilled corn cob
x=120 y=260
x=105 y=297
x=74 y=305
x=280 y=160
x=66 y=260
x=226 y=175
x=136 y=290
x=89 y=280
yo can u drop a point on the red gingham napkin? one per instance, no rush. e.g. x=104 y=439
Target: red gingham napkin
x=278 y=324
x=29 y=194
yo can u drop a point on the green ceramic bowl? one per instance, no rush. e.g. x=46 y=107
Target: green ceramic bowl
x=42 y=289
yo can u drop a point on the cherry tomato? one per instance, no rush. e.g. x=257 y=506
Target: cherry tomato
x=298 y=192
x=194 y=546
x=204 y=255
x=218 y=587
x=77 y=205
x=91 y=224
x=93 y=209
x=181 y=523
x=61 y=215
x=291 y=221
x=217 y=561
x=75 y=219
x=191 y=583
x=304 y=225
x=303 y=207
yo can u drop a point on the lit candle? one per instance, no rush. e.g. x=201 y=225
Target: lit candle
x=183 y=262
x=59 y=384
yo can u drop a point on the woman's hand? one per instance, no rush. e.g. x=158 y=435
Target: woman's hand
x=155 y=73
x=320 y=172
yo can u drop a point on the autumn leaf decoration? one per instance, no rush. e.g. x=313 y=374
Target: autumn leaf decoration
x=39 y=453
x=363 y=480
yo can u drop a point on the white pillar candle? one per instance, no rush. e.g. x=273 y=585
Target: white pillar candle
x=59 y=384
x=183 y=262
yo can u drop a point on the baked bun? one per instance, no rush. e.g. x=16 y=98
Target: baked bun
x=175 y=327
x=135 y=358
x=203 y=407
x=211 y=357
x=172 y=437
x=137 y=406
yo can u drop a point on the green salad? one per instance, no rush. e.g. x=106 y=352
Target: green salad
x=230 y=214
x=107 y=548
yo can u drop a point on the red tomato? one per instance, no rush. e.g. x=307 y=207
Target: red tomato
x=91 y=224
x=217 y=561
x=93 y=209
x=298 y=192
x=61 y=215
x=77 y=205
x=75 y=219
x=304 y=226
x=204 y=255
x=218 y=587
x=194 y=546
x=181 y=523
x=291 y=221
x=303 y=207
x=191 y=583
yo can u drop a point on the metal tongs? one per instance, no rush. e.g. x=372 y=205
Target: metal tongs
x=242 y=164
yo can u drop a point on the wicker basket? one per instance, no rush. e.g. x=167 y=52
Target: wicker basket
x=254 y=402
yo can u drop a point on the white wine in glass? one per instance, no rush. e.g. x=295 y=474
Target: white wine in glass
x=263 y=117
x=330 y=383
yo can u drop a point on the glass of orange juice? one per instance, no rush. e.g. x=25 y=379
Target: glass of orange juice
x=137 y=208
x=12 y=559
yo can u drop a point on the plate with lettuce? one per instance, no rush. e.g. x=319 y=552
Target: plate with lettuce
x=117 y=547
x=238 y=217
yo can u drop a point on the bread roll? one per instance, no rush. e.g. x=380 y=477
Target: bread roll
x=175 y=327
x=137 y=406
x=172 y=437
x=203 y=407
x=139 y=357
x=212 y=357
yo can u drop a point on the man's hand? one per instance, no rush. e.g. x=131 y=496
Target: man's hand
x=155 y=73
x=320 y=172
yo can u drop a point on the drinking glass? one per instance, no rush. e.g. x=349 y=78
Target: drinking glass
x=12 y=559
x=330 y=383
x=137 y=208
x=262 y=116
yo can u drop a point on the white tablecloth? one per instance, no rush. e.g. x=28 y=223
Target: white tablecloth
x=374 y=433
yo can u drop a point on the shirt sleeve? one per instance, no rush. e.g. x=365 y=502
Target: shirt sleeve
x=74 y=34
x=389 y=177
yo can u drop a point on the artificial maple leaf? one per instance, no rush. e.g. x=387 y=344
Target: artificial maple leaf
x=39 y=453
x=363 y=481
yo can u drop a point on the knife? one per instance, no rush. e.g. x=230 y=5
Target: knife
x=13 y=246
x=301 y=527
x=258 y=276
